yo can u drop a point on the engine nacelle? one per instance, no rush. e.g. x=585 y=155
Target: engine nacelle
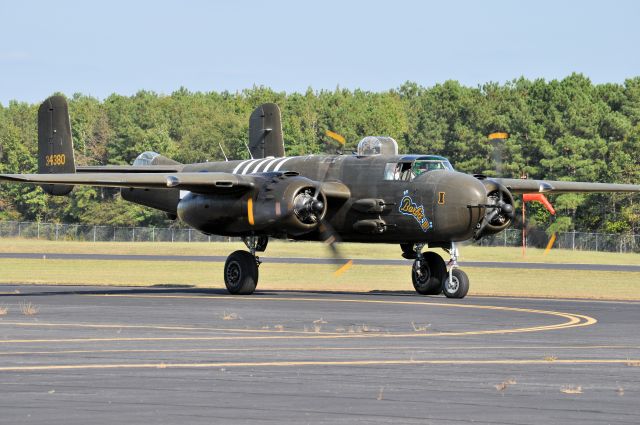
x=499 y=212
x=290 y=203
x=284 y=203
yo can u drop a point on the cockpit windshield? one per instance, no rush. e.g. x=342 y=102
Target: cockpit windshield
x=408 y=169
x=423 y=165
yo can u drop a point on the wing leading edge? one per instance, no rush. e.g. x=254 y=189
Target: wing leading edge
x=194 y=182
x=551 y=186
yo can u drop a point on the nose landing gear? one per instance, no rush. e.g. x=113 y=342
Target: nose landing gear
x=456 y=283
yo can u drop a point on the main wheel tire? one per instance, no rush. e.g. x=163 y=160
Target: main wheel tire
x=432 y=272
x=458 y=286
x=241 y=273
x=438 y=270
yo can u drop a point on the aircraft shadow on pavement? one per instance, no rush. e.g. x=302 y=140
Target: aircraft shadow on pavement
x=186 y=290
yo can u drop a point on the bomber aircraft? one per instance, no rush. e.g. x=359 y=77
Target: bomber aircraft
x=372 y=196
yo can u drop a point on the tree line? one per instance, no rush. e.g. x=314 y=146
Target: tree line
x=561 y=129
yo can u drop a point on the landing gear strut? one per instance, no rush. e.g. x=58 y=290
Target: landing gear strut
x=456 y=283
x=431 y=275
x=241 y=267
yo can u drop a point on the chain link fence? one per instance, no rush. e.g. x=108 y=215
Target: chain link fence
x=510 y=238
x=83 y=232
x=582 y=241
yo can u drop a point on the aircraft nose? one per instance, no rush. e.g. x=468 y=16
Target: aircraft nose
x=462 y=189
x=459 y=205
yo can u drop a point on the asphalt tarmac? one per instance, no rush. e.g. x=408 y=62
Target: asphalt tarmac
x=301 y=260
x=93 y=355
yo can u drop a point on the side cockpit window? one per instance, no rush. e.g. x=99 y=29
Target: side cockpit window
x=398 y=171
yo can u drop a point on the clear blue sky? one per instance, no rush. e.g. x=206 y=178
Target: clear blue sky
x=99 y=48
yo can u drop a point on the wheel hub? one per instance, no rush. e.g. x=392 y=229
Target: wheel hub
x=422 y=272
x=233 y=273
x=452 y=284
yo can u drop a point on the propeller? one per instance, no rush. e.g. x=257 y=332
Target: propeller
x=328 y=234
x=538 y=197
x=501 y=210
x=331 y=238
x=338 y=138
x=498 y=145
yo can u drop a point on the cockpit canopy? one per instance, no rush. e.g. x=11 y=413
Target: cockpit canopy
x=145 y=158
x=377 y=145
x=153 y=158
x=410 y=167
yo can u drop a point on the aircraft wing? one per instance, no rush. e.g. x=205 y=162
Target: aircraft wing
x=195 y=182
x=551 y=186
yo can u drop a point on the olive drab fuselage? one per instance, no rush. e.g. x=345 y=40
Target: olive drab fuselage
x=435 y=206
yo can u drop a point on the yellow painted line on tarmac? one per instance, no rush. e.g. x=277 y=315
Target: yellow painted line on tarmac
x=154 y=327
x=510 y=362
x=543 y=349
x=572 y=320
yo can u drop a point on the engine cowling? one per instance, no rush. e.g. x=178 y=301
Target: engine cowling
x=500 y=210
x=290 y=203
x=284 y=203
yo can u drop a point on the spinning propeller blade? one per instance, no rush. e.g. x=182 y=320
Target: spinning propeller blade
x=337 y=137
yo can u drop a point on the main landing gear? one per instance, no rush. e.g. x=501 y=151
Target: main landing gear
x=431 y=275
x=241 y=267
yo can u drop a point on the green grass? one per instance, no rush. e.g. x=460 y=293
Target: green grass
x=311 y=249
x=507 y=282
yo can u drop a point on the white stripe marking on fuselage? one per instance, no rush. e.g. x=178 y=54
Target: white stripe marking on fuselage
x=281 y=164
x=274 y=160
x=235 y=170
x=246 y=167
x=255 y=169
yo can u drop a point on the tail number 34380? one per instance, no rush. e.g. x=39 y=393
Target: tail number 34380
x=55 y=160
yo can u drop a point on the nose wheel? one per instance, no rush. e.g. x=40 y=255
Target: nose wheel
x=456 y=284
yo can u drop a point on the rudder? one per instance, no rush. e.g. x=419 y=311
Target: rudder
x=265 y=132
x=55 y=145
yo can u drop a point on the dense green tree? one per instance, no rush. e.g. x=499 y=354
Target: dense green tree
x=560 y=129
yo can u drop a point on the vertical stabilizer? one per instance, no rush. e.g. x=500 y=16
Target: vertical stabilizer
x=55 y=146
x=265 y=132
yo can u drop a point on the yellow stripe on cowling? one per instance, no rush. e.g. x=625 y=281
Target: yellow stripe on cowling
x=250 y=211
x=550 y=244
x=346 y=266
x=498 y=136
x=337 y=137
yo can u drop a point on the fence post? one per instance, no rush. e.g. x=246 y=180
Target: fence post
x=19 y=230
x=38 y=233
x=114 y=233
x=172 y=230
x=573 y=240
x=94 y=233
x=153 y=234
x=596 y=242
x=133 y=234
x=189 y=234
x=57 y=229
